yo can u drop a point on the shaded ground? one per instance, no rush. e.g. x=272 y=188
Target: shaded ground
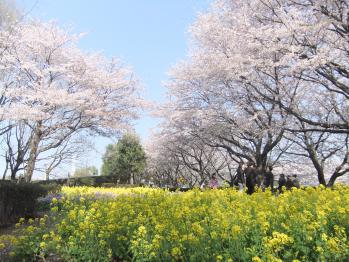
x=8 y=231
x=4 y=231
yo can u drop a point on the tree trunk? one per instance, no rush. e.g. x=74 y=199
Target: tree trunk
x=14 y=172
x=13 y=175
x=5 y=171
x=333 y=179
x=34 y=145
x=320 y=173
x=317 y=165
x=131 y=179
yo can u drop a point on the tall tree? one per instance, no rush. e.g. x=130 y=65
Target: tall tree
x=180 y=159
x=126 y=160
x=59 y=91
x=261 y=69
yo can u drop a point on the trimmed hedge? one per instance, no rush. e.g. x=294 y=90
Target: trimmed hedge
x=96 y=181
x=18 y=200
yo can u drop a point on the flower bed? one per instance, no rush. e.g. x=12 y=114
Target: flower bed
x=214 y=225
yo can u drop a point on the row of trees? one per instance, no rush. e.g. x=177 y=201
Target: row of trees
x=266 y=82
x=54 y=95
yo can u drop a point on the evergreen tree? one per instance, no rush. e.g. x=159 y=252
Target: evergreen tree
x=126 y=160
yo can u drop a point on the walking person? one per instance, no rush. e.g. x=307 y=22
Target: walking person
x=289 y=183
x=250 y=174
x=240 y=177
x=213 y=182
x=282 y=182
x=295 y=181
x=269 y=179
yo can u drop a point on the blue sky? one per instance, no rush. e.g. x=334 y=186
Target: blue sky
x=149 y=35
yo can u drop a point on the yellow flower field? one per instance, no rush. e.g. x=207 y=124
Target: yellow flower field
x=143 y=224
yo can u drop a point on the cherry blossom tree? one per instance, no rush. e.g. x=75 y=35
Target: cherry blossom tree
x=327 y=152
x=59 y=91
x=184 y=160
x=8 y=13
x=225 y=113
x=264 y=77
x=301 y=45
x=163 y=168
x=310 y=38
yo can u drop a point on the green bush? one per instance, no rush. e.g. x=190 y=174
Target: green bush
x=52 y=188
x=18 y=200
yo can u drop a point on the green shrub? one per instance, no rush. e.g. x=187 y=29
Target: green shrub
x=52 y=188
x=18 y=200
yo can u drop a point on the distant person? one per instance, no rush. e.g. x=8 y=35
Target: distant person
x=289 y=183
x=282 y=182
x=213 y=182
x=295 y=181
x=240 y=177
x=259 y=177
x=269 y=178
x=250 y=174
